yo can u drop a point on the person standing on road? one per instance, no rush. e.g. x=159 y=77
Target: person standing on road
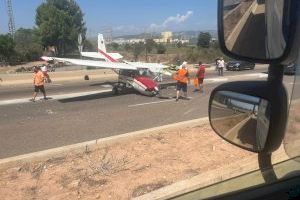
x=221 y=66
x=200 y=77
x=38 y=82
x=44 y=69
x=182 y=78
x=217 y=64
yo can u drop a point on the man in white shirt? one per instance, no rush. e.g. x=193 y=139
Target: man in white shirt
x=221 y=66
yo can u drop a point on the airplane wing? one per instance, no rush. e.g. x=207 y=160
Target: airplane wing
x=92 y=63
x=153 y=67
x=116 y=56
x=97 y=55
x=148 y=65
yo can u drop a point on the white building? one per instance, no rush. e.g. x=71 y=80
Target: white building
x=128 y=41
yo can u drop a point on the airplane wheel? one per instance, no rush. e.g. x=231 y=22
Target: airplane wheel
x=115 y=91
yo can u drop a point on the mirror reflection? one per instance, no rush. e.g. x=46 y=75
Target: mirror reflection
x=241 y=119
x=254 y=28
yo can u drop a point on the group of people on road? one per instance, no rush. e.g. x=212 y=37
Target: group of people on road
x=183 y=79
x=40 y=77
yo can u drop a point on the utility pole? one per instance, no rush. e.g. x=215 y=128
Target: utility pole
x=107 y=32
x=11 y=21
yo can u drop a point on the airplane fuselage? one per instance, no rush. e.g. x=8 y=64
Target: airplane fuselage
x=145 y=86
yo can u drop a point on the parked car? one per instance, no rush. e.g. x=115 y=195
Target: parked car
x=238 y=65
x=290 y=69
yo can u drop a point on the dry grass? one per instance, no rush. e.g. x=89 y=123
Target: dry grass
x=122 y=170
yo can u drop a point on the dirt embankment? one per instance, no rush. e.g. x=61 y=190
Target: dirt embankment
x=122 y=170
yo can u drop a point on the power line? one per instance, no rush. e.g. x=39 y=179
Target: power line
x=11 y=21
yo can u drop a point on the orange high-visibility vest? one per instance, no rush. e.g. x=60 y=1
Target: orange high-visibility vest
x=38 y=78
x=181 y=76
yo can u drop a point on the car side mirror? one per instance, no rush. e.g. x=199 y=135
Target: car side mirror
x=242 y=119
x=257 y=30
x=249 y=114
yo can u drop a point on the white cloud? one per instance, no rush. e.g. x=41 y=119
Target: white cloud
x=178 y=19
x=169 y=22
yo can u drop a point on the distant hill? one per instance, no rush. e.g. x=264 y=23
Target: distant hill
x=176 y=35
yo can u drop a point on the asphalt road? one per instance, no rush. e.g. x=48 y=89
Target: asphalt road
x=31 y=127
x=21 y=91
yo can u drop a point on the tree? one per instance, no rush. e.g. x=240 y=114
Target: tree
x=59 y=23
x=150 y=45
x=216 y=45
x=89 y=46
x=28 y=46
x=192 y=55
x=138 y=48
x=204 y=39
x=7 y=46
x=115 y=46
x=127 y=47
x=161 y=49
x=179 y=44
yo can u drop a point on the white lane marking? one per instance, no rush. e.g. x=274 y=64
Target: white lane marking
x=53 y=97
x=245 y=75
x=55 y=84
x=155 y=102
x=107 y=86
x=217 y=79
x=263 y=76
x=149 y=103
x=189 y=111
x=293 y=83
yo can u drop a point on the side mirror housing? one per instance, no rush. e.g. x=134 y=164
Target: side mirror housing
x=260 y=31
x=246 y=114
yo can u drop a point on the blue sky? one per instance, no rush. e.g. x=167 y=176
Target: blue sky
x=128 y=16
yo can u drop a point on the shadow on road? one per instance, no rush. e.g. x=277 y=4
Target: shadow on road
x=104 y=83
x=93 y=97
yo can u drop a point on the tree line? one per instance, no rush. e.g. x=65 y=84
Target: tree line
x=58 y=24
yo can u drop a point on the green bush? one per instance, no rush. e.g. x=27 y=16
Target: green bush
x=161 y=49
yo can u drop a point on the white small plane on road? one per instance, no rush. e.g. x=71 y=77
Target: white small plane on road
x=131 y=74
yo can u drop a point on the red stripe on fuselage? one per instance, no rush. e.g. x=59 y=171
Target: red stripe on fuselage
x=107 y=56
x=147 y=82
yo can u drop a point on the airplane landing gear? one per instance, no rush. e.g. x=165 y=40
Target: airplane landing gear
x=115 y=90
x=118 y=88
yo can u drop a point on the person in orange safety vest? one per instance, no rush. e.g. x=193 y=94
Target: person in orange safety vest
x=182 y=78
x=38 y=82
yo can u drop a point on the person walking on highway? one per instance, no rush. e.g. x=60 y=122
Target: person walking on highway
x=38 y=82
x=182 y=78
x=200 y=78
x=221 y=66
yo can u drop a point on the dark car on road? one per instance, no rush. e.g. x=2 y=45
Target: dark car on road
x=290 y=69
x=238 y=65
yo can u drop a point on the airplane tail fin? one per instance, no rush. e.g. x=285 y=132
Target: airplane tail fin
x=101 y=43
x=102 y=49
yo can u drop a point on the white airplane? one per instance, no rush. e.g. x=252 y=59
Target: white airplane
x=102 y=54
x=134 y=75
